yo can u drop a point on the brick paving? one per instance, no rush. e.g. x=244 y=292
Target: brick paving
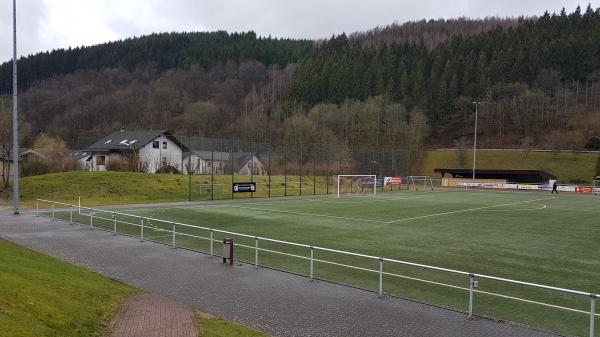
x=150 y=315
x=277 y=303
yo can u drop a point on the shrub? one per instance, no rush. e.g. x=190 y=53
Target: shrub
x=593 y=144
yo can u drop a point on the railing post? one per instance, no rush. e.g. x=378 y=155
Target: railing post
x=52 y=211
x=471 y=293
x=380 y=276
x=211 y=242
x=115 y=223
x=592 y=313
x=174 y=245
x=91 y=218
x=312 y=263
x=79 y=205
x=142 y=229
x=71 y=215
x=37 y=208
x=256 y=252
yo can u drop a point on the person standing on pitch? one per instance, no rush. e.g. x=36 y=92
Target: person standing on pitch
x=554 y=188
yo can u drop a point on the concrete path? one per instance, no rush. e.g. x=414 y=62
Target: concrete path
x=276 y=303
x=150 y=315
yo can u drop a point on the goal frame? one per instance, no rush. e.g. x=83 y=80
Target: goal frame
x=426 y=179
x=339 y=176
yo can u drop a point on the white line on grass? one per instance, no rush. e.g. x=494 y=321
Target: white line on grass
x=302 y=213
x=467 y=210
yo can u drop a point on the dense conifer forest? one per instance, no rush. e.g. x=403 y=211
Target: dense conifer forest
x=538 y=80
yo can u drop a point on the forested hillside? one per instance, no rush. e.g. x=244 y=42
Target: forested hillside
x=407 y=86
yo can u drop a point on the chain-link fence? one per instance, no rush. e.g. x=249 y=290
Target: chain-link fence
x=213 y=166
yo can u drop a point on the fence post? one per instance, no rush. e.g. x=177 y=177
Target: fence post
x=91 y=218
x=211 y=242
x=115 y=223
x=471 y=293
x=37 y=208
x=79 y=205
x=71 y=215
x=380 y=276
x=174 y=244
x=256 y=252
x=592 y=313
x=142 y=229
x=312 y=263
x=52 y=211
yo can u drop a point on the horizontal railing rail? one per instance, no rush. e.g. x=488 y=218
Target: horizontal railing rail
x=471 y=289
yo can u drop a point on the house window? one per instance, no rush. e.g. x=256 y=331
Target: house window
x=164 y=145
x=101 y=160
x=155 y=144
x=164 y=161
x=210 y=164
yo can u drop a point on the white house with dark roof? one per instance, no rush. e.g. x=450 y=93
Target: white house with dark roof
x=150 y=150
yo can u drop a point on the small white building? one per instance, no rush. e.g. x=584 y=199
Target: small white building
x=146 y=151
x=207 y=162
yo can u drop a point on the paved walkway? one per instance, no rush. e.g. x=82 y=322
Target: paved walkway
x=150 y=315
x=276 y=303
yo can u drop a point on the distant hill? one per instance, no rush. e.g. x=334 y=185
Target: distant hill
x=164 y=51
x=431 y=33
x=406 y=85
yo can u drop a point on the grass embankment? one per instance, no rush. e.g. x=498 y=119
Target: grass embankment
x=568 y=167
x=42 y=296
x=216 y=327
x=110 y=188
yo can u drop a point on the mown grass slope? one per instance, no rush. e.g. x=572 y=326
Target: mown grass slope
x=568 y=167
x=41 y=296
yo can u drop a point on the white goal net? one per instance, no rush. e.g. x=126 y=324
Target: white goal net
x=420 y=183
x=356 y=184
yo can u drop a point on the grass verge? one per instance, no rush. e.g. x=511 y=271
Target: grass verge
x=216 y=327
x=41 y=296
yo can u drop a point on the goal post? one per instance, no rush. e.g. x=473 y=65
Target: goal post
x=420 y=181
x=361 y=181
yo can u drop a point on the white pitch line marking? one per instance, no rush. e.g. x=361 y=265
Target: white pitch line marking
x=468 y=210
x=310 y=214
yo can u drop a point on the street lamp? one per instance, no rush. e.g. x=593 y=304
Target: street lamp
x=475 y=138
x=15 y=115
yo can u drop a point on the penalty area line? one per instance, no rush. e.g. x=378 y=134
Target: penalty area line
x=468 y=210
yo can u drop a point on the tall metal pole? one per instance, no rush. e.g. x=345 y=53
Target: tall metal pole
x=15 y=115
x=475 y=139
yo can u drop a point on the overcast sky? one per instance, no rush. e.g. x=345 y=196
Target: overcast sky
x=47 y=24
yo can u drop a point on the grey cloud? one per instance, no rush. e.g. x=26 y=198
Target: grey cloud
x=297 y=19
x=30 y=19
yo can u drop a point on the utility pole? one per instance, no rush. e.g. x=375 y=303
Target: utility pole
x=15 y=115
x=475 y=138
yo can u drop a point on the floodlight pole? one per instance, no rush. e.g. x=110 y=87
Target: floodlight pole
x=15 y=115
x=475 y=138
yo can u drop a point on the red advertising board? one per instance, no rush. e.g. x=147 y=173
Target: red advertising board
x=392 y=181
x=580 y=189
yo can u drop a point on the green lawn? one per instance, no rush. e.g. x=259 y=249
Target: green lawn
x=41 y=296
x=568 y=167
x=527 y=236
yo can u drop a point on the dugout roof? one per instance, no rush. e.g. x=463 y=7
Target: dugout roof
x=518 y=176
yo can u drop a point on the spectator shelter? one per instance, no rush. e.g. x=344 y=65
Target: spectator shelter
x=515 y=176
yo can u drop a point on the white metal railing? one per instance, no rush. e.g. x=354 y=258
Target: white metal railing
x=472 y=277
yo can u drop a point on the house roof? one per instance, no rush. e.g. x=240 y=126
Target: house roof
x=125 y=140
x=78 y=154
x=241 y=158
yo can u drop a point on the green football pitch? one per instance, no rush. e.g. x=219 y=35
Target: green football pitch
x=527 y=236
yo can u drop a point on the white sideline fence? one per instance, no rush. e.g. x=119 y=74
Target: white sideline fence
x=472 y=278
